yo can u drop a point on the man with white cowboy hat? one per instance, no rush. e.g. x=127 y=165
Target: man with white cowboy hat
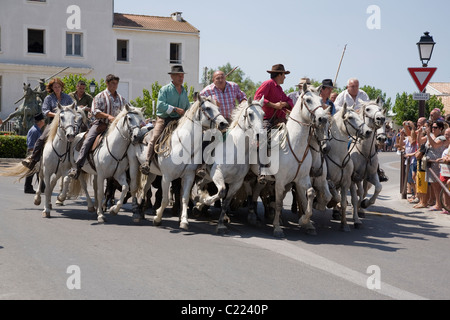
x=173 y=102
x=296 y=94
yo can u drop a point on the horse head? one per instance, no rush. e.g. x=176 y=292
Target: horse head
x=209 y=115
x=374 y=114
x=352 y=123
x=319 y=116
x=133 y=118
x=67 y=121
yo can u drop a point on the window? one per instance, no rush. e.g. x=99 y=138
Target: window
x=36 y=41
x=122 y=50
x=74 y=43
x=175 y=53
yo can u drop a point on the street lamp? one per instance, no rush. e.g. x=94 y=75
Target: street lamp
x=92 y=87
x=426 y=46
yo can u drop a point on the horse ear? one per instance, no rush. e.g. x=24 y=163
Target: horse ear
x=249 y=101
x=261 y=102
x=200 y=99
x=74 y=106
x=305 y=87
x=344 y=107
x=127 y=107
x=59 y=106
x=380 y=101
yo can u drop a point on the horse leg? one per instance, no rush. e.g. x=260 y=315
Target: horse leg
x=49 y=185
x=279 y=191
x=37 y=197
x=374 y=180
x=122 y=180
x=356 y=202
x=232 y=190
x=100 y=197
x=307 y=195
x=82 y=179
x=165 y=185
x=187 y=182
x=253 y=204
x=343 y=210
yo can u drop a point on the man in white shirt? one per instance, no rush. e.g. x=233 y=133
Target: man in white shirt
x=353 y=96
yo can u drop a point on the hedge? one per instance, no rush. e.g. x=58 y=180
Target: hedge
x=13 y=147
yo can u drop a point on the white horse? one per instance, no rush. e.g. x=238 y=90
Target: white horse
x=234 y=156
x=55 y=162
x=294 y=161
x=346 y=123
x=181 y=154
x=110 y=158
x=365 y=158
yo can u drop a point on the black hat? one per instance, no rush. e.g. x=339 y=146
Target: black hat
x=328 y=83
x=177 y=70
x=38 y=117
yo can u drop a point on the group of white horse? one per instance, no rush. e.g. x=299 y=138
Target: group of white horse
x=309 y=152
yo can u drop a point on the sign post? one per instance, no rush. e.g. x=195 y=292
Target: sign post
x=422 y=77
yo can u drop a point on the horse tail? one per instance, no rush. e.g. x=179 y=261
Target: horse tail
x=141 y=182
x=17 y=170
x=75 y=189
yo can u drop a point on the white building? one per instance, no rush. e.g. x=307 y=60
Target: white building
x=41 y=37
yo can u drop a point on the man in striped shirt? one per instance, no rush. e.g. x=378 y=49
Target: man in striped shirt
x=225 y=94
x=106 y=106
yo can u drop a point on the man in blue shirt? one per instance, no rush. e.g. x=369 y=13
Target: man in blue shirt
x=33 y=135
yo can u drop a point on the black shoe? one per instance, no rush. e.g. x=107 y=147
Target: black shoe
x=262 y=180
x=145 y=168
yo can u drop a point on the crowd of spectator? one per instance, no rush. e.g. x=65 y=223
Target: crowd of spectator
x=426 y=145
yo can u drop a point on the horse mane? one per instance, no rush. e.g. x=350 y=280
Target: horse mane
x=190 y=113
x=236 y=114
x=119 y=117
x=54 y=127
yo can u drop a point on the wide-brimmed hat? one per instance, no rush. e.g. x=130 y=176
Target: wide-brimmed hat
x=328 y=83
x=303 y=81
x=278 y=68
x=38 y=117
x=177 y=70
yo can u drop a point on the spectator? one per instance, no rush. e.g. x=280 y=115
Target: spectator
x=445 y=178
x=409 y=142
x=435 y=147
x=436 y=115
x=325 y=91
x=33 y=135
x=296 y=94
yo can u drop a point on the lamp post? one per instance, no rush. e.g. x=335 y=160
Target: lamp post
x=426 y=47
x=92 y=87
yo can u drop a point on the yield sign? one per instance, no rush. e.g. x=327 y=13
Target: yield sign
x=422 y=76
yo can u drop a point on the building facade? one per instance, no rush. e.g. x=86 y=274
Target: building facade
x=441 y=90
x=39 y=38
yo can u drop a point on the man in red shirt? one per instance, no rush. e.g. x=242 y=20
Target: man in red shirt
x=276 y=103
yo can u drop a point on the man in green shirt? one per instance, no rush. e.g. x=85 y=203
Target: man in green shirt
x=173 y=102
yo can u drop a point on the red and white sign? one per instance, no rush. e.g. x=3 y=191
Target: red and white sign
x=422 y=76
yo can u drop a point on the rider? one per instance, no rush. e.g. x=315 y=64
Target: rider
x=56 y=95
x=173 y=102
x=105 y=107
x=275 y=102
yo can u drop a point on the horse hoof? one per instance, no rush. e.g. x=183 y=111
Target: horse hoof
x=60 y=199
x=156 y=223
x=361 y=214
x=37 y=202
x=136 y=218
x=45 y=214
x=345 y=228
x=91 y=209
x=365 y=204
x=59 y=203
x=112 y=211
x=336 y=215
x=278 y=234
x=101 y=219
x=358 y=226
x=184 y=226
x=221 y=230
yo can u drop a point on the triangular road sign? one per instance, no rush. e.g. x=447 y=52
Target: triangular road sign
x=422 y=76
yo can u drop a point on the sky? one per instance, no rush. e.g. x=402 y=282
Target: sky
x=309 y=37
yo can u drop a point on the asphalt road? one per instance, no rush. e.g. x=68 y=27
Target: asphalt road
x=401 y=253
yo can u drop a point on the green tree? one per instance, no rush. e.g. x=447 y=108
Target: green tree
x=71 y=81
x=406 y=108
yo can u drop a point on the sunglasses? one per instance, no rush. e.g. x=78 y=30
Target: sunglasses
x=435 y=128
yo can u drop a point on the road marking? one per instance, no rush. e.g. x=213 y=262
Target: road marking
x=324 y=264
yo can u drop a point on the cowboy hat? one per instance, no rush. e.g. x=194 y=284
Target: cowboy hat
x=328 y=83
x=177 y=70
x=278 y=68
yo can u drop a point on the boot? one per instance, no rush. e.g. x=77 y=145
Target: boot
x=29 y=163
x=28 y=186
x=75 y=173
x=201 y=171
x=145 y=168
x=262 y=179
x=382 y=175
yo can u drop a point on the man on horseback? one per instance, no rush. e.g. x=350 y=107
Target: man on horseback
x=353 y=96
x=56 y=95
x=276 y=103
x=105 y=107
x=173 y=102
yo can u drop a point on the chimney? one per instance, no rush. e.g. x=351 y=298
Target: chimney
x=176 y=16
